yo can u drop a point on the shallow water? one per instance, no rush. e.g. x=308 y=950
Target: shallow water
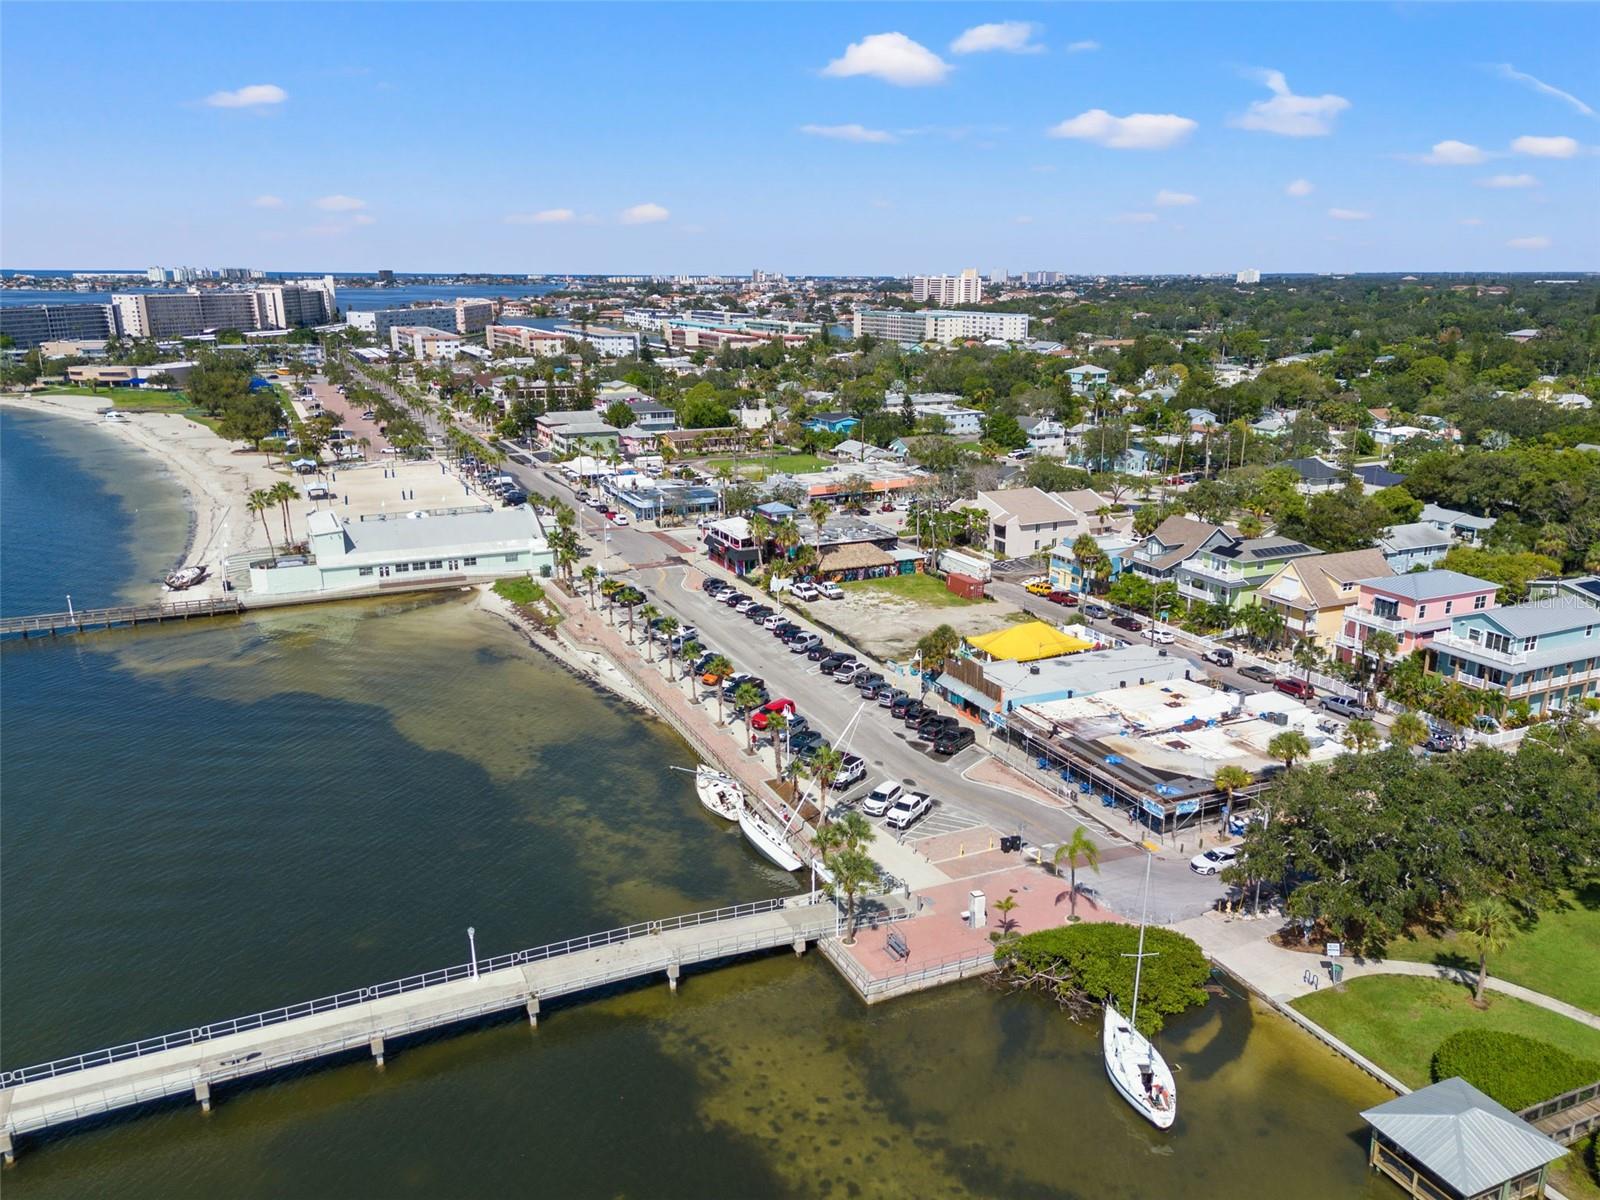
x=204 y=822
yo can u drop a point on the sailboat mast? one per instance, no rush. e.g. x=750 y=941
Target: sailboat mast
x=1138 y=959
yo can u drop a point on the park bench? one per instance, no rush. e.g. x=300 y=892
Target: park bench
x=896 y=945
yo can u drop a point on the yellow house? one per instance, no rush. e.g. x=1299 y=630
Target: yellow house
x=1312 y=593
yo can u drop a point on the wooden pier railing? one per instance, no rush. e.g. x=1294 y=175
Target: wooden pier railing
x=81 y=619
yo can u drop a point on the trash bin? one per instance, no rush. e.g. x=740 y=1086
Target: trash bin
x=1336 y=973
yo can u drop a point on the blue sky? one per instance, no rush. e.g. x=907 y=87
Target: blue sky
x=823 y=138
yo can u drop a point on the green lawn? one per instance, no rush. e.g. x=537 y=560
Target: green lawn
x=924 y=589
x=760 y=468
x=1559 y=955
x=134 y=400
x=1398 y=1021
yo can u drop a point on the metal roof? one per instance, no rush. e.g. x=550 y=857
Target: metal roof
x=1429 y=585
x=1462 y=1136
x=1542 y=616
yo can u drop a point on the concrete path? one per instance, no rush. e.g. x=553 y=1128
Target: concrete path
x=1241 y=945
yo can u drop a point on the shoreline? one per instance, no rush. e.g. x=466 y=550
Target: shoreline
x=211 y=475
x=594 y=668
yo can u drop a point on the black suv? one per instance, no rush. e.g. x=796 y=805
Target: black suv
x=913 y=714
x=953 y=741
x=901 y=706
x=819 y=652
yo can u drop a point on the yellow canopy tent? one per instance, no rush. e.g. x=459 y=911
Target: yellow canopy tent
x=1028 y=643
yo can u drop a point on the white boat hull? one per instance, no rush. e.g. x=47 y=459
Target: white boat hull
x=1138 y=1071
x=719 y=794
x=768 y=841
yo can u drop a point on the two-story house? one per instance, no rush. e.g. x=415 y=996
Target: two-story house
x=1024 y=521
x=1088 y=378
x=1067 y=573
x=1413 y=608
x=730 y=544
x=1312 y=593
x=1170 y=544
x=1228 y=570
x=1546 y=652
x=1413 y=545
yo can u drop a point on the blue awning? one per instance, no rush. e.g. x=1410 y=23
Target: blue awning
x=970 y=694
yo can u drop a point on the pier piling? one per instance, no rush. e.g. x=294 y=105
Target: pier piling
x=377 y=1051
x=672 y=976
x=533 y=1011
x=202 y=1093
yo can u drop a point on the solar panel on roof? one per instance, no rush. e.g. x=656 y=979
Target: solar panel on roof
x=1274 y=551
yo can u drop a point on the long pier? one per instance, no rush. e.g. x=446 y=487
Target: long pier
x=194 y=1061
x=81 y=619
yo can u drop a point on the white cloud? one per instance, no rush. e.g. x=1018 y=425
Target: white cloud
x=1349 y=214
x=338 y=203
x=1013 y=37
x=1288 y=114
x=1529 y=243
x=364 y=219
x=1453 y=154
x=1083 y=47
x=1509 y=181
x=848 y=133
x=253 y=95
x=644 y=214
x=1471 y=221
x=891 y=57
x=1136 y=131
x=1166 y=199
x=1507 y=71
x=1133 y=218
x=267 y=202
x=1299 y=187
x=1545 y=147
x=545 y=216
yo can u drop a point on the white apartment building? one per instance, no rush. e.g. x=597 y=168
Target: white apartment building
x=1248 y=276
x=940 y=325
x=379 y=321
x=614 y=343
x=424 y=341
x=473 y=315
x=965 y=288
x=542 y=342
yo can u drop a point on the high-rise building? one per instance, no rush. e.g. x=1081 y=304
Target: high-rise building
x=965 y=288
x=1248 y=276
x=156 y=275
x=289 y=305
x=29 y=325
x=473 y=314
x=385 y=277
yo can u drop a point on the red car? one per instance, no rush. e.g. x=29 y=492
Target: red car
x=1298 y=688
x=1066 y=598
x=888 y=506
x=758 y=719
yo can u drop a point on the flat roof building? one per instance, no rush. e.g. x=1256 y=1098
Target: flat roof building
x=422 y=341
x=541 y=342
x=30 y=325
x=940 y=325
x=379 y=321
x=472 y=314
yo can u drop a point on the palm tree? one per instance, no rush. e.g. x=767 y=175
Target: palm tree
x=777 y=724
x=630 y=600
x=1456 y=703
x=852 y=871
x=283 y=492
x=590 y=574
x=786 y=536
x=936 y=645
x=818 y=511
x=1230 y=779
x=1080 y=851
x=852 y=831
x=1408 y=730
x=1361 y=735
x=690 y=651
x=608 y=592
x=258 y=502
x=746 y=698
x=649 y=612
x=824 y=768
x=721 y=668
x=669 y=626
x=1008 y=925
x=760 y=532
x=1288 y=746
x=1487 y=925
x=1307 y=657
x=1091 y=560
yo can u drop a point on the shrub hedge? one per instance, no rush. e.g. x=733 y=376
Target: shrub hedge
x=1515 y=1070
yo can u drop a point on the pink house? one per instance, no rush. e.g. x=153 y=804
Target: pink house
x=1411 y=607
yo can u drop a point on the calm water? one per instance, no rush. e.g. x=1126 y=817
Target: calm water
x=203 y=823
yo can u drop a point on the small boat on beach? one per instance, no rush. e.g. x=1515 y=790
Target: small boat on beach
x=114 y=417
x=719 y=793
x=186 y=577
x=1135 y=1066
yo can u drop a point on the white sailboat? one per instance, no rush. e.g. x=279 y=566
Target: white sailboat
x=719 y=793
x=1135 y=1066
x=771 y=843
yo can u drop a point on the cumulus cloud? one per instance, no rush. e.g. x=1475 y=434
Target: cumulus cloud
x=1013 y=37
x=1507 y=71
x=891 y=57
x=1166 y=199
x=1083 y=47
x=1299 y=187
x=254 y=95
x=337 y=203
x=1538 y=242
x=545 y=216
x=1288 y=114
x=1509 y=181
x=267 y=202
x=852 y=132
x=1545 y=147
x=1136 y=131
x=1453 y=154
x=644 y=214
x=1133 y=218
x=1349 y=214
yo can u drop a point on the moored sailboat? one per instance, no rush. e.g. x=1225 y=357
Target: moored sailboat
x=1135 y=1066
x=718 y=793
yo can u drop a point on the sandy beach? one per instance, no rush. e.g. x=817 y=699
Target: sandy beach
x=215 y=475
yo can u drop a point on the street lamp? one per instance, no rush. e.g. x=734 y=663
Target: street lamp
x=472 y=945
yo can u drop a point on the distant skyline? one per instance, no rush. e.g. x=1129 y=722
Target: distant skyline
x=829 y=139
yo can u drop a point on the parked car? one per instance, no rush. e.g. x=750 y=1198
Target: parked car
x=881 y=798
x=1066 y=598
x=830 y=590
x=1345 y=706
x=909 y=809
x=620 y=518
x=914 y=713
x=869 y=683
x=1160 y=637
x=804 y=591
x=847 y=671
x=852 y=770
x=1298 y=688
x=745 y=604
x=1439 y=742
x=888 y=697
x=819 y=652
x=804 y=743
x=733 y=597
x=1221 y=657
x=759 y=614
x=933 y=724
x=785 y=630
x=1040 y=587
x=738 y=681
x=513 y=498
x=1131 y=624
x=830 y=663
x=898 y=707
x=1098 y=612
x=1213 y=860
x=1259 y=674
x=804 y=643
x=715 y=587
x=953 y=741
x=776 y=620
x=781 y=705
